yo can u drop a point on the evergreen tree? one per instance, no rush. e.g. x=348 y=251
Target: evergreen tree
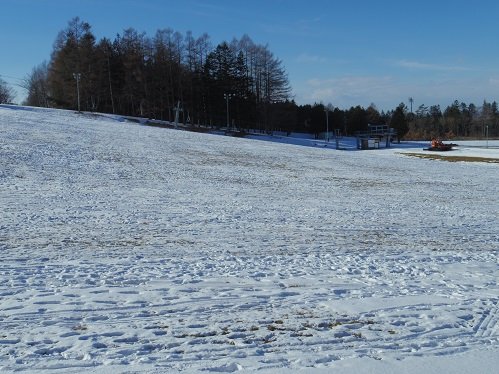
x=72 y=55
x=399 y=121
x=221 y=79
x=356 y=120
x=452 y=119
x=373 y=115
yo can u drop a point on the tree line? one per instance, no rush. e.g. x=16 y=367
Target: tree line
x=138 y=75
x=458 y=120
x=142 y=76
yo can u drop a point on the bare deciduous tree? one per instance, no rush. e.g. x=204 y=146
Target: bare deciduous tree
x=35 y=84
x=7 y=93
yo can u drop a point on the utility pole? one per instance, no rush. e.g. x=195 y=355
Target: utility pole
x=77 y=76
x=227 y=96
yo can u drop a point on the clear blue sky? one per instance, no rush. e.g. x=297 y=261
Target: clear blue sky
x=344 y=52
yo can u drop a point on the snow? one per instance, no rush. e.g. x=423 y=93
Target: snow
x=127 y=248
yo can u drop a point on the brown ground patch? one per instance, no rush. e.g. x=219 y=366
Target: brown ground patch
x=433 y=156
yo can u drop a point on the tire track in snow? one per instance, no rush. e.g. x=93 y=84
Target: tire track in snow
x=487 y=326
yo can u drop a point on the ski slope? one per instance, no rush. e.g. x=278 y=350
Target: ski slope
x=127 y=248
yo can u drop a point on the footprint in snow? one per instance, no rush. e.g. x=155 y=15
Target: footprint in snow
x=227 y=368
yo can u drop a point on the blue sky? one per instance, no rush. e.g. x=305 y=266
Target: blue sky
x=346 y=53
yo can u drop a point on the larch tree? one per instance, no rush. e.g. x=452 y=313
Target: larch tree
x=72 y=60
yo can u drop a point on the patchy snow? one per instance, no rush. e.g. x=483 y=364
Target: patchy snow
x=127 y=248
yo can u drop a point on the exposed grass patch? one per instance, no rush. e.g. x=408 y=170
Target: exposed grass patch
x=432 y=156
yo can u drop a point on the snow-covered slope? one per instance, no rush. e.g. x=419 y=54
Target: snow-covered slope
x=128 y=248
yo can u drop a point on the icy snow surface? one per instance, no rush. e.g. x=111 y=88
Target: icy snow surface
x=126 y=248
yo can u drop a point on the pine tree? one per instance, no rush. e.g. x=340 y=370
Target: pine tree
x=399 y=121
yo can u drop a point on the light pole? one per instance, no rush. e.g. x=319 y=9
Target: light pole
x=227 y=96
x=487 y=135
x=327 y=109
x=77 y=76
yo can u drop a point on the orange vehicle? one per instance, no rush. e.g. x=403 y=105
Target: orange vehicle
x=438 y=145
